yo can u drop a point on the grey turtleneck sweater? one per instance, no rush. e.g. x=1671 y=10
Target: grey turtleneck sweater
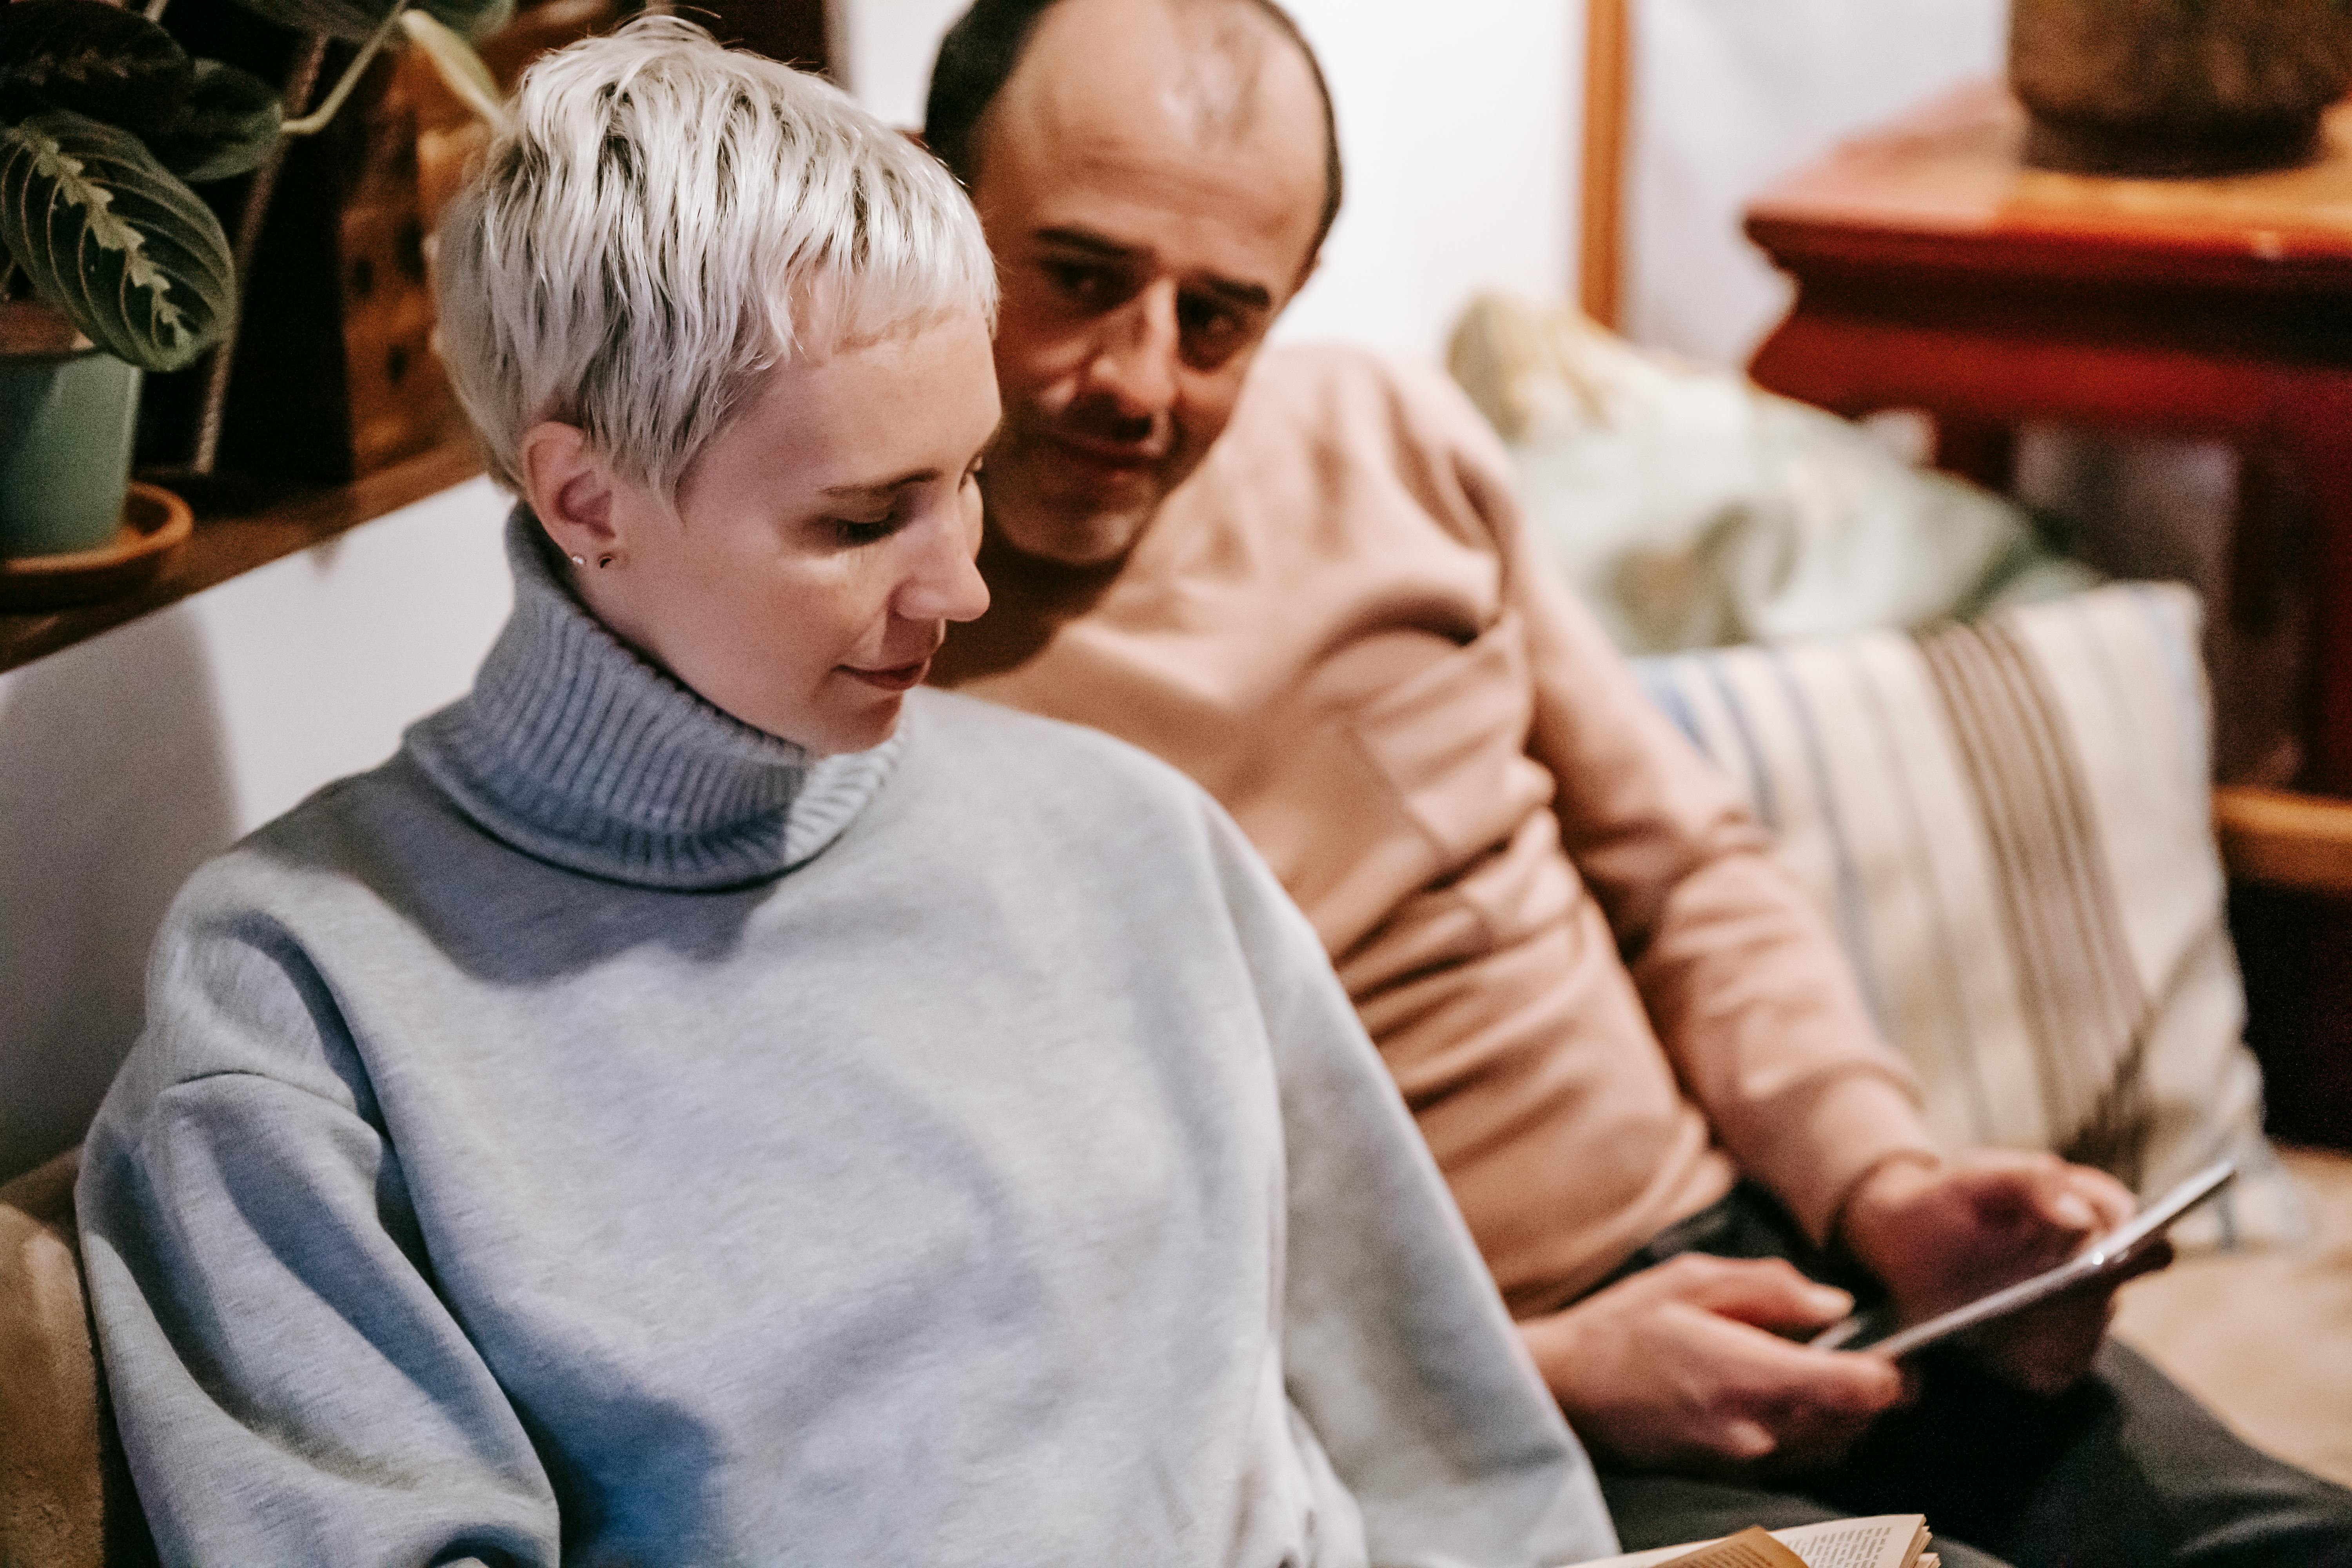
x=601 y=1136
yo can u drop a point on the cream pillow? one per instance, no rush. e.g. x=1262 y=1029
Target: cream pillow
x=2009 y=825
x=1689 y=509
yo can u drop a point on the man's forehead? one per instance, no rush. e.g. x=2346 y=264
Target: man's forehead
x=1154 y=132
x=1169 y=78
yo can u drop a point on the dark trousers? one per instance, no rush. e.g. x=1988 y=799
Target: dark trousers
x=2122 y=1470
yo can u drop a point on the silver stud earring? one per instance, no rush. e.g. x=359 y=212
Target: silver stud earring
x=580 y=560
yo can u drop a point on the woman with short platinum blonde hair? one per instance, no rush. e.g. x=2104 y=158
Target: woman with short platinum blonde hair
x=706 y=1100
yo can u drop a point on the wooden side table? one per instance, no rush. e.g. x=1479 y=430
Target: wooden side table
x=1936 y=271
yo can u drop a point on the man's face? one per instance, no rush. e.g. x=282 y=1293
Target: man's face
x=1151 y=179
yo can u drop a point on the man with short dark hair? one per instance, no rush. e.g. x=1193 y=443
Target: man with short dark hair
x=1632 y=1045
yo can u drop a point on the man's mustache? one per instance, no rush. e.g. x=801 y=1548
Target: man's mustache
x=1102 y=422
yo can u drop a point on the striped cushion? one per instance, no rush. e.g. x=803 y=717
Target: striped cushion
x=2009 y=825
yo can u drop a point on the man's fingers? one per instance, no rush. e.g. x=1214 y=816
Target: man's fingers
x=1760 y=1397
x=2085 y=1199
x=2047 y=1349
x=1745 y=1441
x=1808 y=1405
x=1766 y=1293
x=2011 y=1185
x=1759 y=1374
x=2113 y=1200
x=1649 y=1373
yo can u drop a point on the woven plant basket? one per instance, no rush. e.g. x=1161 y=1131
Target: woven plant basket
x=2165 y=88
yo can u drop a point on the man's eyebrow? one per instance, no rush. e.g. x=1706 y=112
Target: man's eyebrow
x=1091 y=243
x=1232 y=291
x=1247 y=296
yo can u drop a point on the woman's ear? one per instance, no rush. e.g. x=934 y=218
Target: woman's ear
x=569 y=489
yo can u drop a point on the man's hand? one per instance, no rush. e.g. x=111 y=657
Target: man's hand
x=1941 y=1236
x=1673 y=1368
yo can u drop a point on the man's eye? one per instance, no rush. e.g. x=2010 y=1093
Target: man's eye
x=1083 y=282
x=1212 y=333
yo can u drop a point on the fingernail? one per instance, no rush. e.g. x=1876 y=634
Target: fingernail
x=1829 y=1298
x=2071 y=1210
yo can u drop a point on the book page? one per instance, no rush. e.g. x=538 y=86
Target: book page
x=1882 y=1541
x=1751 y=1547
x=1887 y=1541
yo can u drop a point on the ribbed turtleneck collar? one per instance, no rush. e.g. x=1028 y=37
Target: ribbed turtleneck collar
x=576 y=751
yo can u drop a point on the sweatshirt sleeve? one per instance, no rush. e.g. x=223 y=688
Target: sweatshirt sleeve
x=290 y=1387
x=1744 y=984
x=1397 y=1351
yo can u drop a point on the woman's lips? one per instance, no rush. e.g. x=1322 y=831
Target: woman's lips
x=897 y=677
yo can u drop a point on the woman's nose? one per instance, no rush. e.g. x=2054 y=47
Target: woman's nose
x=945 y=584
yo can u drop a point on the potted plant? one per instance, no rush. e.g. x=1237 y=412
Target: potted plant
x=110 y=265
x=2178 y=87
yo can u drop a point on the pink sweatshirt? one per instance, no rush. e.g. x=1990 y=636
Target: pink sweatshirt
x=1601 y=993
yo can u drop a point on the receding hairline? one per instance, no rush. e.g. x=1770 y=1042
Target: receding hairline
x=1223 y=83
x=956 y=127
x=1219 y=78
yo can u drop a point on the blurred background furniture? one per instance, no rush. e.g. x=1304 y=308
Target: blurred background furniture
x=1936 y=271
x=2220 y=308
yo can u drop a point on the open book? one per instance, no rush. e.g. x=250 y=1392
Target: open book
x=1883 y=1541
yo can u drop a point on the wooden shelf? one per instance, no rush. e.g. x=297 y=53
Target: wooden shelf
x=236 y=541
x=2281 y=838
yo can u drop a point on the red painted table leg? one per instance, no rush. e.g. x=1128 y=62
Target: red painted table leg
x=2321 y=410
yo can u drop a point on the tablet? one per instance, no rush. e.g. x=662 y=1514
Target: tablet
x=2108 y=1254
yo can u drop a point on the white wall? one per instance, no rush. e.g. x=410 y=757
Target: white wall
x=1458 y=124
x=129 y=760
x=885 y=49
x=1730 y=94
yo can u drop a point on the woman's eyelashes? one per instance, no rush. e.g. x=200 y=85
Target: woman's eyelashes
x=875 y=526
x=853 y=532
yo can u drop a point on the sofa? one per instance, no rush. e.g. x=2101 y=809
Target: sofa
x=2006 y=821
x=65 y=1498
x=2222 y=1323
x=2040 y=927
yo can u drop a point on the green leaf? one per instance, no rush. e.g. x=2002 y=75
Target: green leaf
x=227 y=127
x=109 y=235
x=355 y=21
x=349 y=20
x=471 y=18
x=91 y=58
x=461 y=71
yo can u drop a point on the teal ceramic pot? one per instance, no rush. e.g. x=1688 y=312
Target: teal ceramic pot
x=66 y=427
